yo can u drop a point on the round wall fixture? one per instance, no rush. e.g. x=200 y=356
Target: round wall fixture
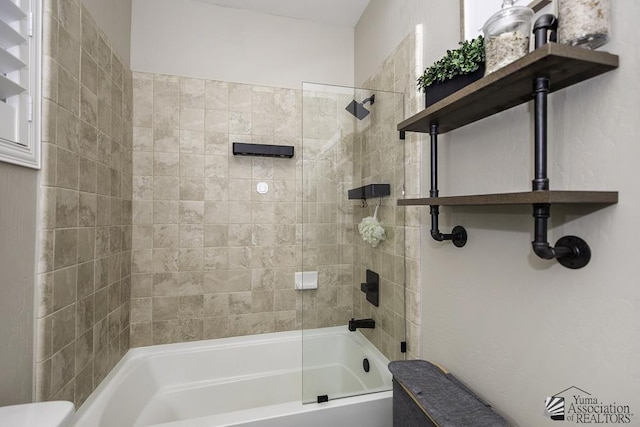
x=262 y=188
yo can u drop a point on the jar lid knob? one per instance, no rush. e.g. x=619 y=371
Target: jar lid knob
x=507 y=3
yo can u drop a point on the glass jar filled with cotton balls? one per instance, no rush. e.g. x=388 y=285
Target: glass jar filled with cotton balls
x=584 y=23
x=506 y=35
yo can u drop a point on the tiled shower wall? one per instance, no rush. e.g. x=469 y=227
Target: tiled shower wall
x=85 y=206
x=212 y=257
x=383 y=158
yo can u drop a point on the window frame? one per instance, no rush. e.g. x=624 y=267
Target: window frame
x=26 y=151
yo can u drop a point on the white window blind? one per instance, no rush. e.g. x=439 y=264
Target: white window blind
x=19 y=82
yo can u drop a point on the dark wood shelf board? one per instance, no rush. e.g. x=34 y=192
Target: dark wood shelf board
x=521 y=198
x=538 y=5
x=512 y=86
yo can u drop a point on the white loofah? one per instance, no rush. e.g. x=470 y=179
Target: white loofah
x=371 y=230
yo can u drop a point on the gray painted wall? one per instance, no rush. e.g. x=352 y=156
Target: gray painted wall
x=17 y=267
x=515 y=328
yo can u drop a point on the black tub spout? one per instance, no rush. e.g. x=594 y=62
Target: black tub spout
x=361 y=323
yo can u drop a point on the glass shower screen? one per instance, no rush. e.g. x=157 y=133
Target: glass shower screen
x=349 y=140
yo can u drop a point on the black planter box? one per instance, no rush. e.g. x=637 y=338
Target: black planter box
x=441 y=90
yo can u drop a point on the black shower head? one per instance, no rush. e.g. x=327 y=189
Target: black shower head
x=357 y=108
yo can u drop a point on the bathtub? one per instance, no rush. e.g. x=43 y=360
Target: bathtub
x=253 y=381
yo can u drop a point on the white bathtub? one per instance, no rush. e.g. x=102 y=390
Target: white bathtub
x=252 y=381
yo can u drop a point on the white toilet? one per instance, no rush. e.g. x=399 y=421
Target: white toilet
x=40 y=414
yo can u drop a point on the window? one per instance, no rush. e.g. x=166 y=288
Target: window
x=19 y=82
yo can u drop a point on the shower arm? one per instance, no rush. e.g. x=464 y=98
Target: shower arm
x=458 y=235
x=370 y=100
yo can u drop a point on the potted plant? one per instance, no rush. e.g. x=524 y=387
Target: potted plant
x=457 y=69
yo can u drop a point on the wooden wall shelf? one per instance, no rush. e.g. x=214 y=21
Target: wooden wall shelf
x=512 y=86
x=550 y=67
x=521 y=198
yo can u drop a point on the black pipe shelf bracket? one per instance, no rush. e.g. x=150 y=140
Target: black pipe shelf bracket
x=458 y=235
x=570 y=251
x=549 y=68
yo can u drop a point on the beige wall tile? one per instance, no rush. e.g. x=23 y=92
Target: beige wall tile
x=66 y=208
x=66 y=248
x=142 y=237
x=192 y=92
x=166 y=188
x=240 y=122
x=165 y=212
x=166 y=101
x=216 y=166
x=215 y=258
x=62 y=368
x=142 y=261
x=191 y=188
x=63 y=327
x=170 y=331
x=285 y=321
x=191 y=212
x=216 y=141
x=192 y=119
x=64 y=287
x=184 y=307
x=141 y=285
x=262 y=301
x=191 y=141
x=165 y=260
x=191 y=235
x=141 y=334
x=216 y=327
x=91 y=264
x=216 y=189
x=85 y=309
x=191 y=259
x=240 y=97
x=192 y=165
x=166 y=140
x=87 y=210
x=251 y=324
x=165 y=236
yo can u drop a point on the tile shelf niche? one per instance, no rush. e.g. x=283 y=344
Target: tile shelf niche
x=550 y=67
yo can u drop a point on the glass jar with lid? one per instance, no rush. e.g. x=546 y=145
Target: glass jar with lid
x=506 y=35
x=584 y=23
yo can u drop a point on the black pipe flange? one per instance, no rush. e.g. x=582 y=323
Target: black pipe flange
x=581 y=252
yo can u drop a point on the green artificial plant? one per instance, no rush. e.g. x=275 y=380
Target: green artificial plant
x=464 y=60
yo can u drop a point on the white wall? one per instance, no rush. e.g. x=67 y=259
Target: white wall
x=196 y=39
x=17 y=276
x=385 y=23
x=114 y=18
x=516 y=328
